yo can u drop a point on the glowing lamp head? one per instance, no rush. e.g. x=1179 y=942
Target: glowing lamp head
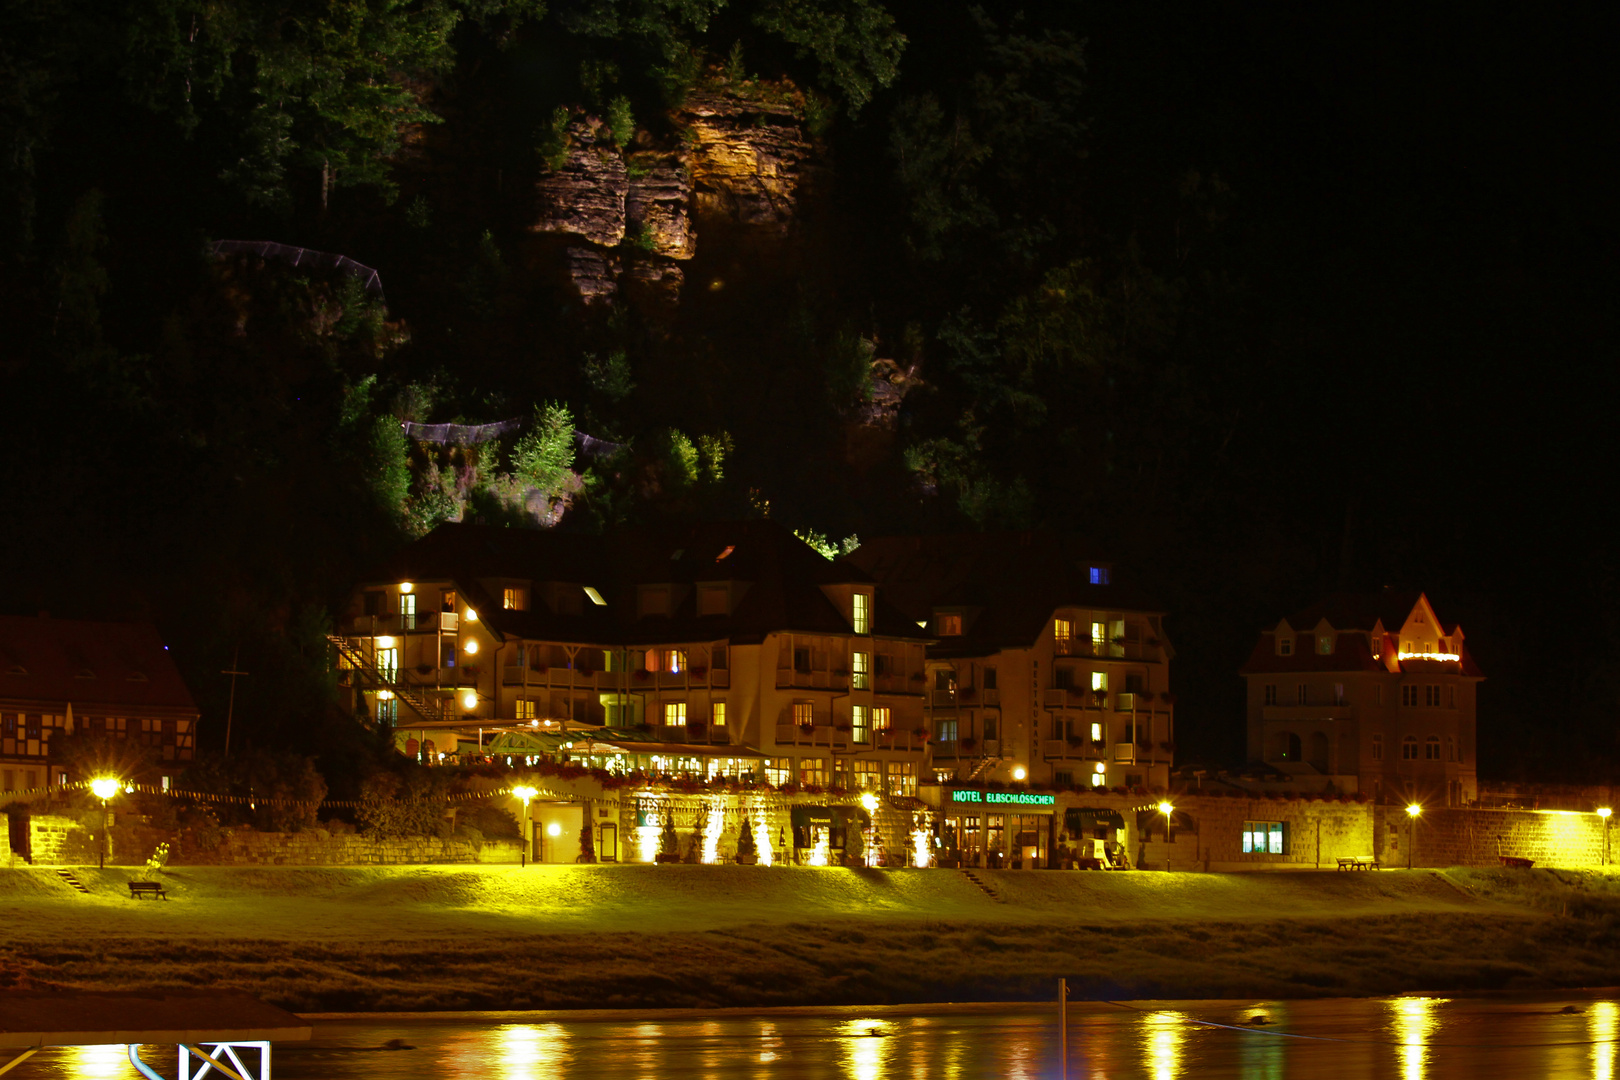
x=1019 y=772
x=405 y=588
x=385 y=643
x=525 y=793
x=469 y=701
x=104 y=787
x=1413 y=810
x=554 y=829
x=470 y=646
x=1604 y=811
x=1101 y=768
x=472 y=616
x=1167 y=809
x=870 y=802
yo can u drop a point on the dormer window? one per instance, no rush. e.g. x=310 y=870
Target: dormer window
x=1324 y=644
x=948 y=624
x=1285 y=645
x=713 y=600
x=1101 y=575
x=515 y=598
x=860 y=613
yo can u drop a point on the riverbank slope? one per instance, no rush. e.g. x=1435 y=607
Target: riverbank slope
x=639 y=936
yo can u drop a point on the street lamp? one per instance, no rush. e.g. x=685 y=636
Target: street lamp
x=1167 y=808
x=1604 y=812
x=104 y=788
x=525 y=793
x=1413 y=811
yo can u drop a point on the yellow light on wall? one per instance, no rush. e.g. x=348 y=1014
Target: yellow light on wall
x=1019 y=772
x=554 y=829
x=471 y=645
x=1604 y=811
x=104 y=787
x=385 y=695
x=870 y=802
x=469 y=700
x=405 y=587
x=525 y=793
x=385 y=643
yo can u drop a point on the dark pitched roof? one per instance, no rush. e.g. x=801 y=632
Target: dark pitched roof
x=1363 y=611
x=90 y=665
x=777 y=580
x=1351 y=652
x=1007 y=584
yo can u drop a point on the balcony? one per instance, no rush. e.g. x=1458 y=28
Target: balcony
x=1110 y=650
x=818 y=734
x=942 y=699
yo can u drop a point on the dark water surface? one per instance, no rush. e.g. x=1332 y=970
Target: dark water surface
x=1408 y=1038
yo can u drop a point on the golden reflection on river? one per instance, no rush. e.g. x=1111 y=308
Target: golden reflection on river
x=864 y=1049
x=98 y=1062
x=532 y=1051
x=1162 y=1036
x=1415 y=1021
x=1602 y=1026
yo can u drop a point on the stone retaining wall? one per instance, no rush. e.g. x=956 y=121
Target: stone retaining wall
x=1480 y=837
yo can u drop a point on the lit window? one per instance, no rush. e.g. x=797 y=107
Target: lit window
x=860 y=671
x=514 y=599
x=1063 y=636
x=676 y=658
x=950 y=625
x=1101 y=575
x=860 y=723
x=719 y=708
x=866 y=775
x=902 y=778
x=778 y=771
x=861 y=614
x=525 y=709
x=882 y=718
x=945 y=730
x=447 y=600
x=674 y=714
x=803 y=713
x=1099 y=680
x=812 y=772
x=1099 y=637
x=596 y=597
x=1271 y=693
x=1263 y=837
x=1096 y=733
x=1097 y=779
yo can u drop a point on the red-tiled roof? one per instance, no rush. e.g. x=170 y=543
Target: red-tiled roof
x=90 y=665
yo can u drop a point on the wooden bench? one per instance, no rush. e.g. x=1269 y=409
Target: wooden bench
x=139 y=889
x=1357 y=862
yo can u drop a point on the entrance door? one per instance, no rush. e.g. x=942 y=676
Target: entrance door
x=607 y=844
x=21 y=836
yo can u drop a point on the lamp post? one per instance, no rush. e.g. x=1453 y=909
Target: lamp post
x=1604 y=812
x=1413 y=811
x=104 y=788
x=525 y=793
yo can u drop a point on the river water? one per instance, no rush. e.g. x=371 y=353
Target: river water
x=1404 y=1038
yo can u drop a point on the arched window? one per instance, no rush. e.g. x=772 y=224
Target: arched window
x=1431 y=748
x=1409 y=748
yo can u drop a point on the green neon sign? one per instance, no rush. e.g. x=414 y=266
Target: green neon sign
x=1017 y=798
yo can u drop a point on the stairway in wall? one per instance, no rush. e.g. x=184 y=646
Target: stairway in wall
x=72 y=882
x=987 y=890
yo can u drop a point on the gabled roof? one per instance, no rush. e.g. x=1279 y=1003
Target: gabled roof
x=1363 y=611
x=90 y=665
x=1006 y=584
x=777 y=581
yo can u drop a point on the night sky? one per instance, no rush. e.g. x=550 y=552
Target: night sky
x=1268 y=300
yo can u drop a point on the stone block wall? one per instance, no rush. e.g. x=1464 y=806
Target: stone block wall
x=1479 y=837
x=1209 y=834
x=59 y=839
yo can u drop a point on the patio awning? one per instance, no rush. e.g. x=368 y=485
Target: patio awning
x=1077 y=819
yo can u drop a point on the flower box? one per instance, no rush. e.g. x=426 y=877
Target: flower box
x=699 y=672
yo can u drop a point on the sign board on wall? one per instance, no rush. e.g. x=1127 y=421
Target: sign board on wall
x=1028 y=800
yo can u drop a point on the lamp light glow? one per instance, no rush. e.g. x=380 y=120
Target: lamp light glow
x=405 y=587
x=554 y=829
x=385 y=643
x=1604 y=811
x=1167 y=809
x=470 y=646
x=469 y=700
x=472 y=616
x=104 y=787
x=1413 y=810
x=525 y=793
x=1019 y=772
x=870 y=802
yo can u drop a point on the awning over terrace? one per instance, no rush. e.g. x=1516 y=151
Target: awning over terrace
x=1082 y=819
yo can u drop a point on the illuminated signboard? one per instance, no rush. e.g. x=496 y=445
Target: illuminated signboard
x=1017 y=798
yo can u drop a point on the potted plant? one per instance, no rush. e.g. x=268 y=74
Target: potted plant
x=698 y=671
x=807 y=727
x=1099 y=742
x=1100 y=696
x=747 y=853
x=844 y=728
x=920 y=733
x=1076 y=742
x=698 y=729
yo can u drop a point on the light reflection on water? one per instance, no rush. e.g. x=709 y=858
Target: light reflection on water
x=1366 y=1039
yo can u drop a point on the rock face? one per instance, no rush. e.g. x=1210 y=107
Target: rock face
x=658 y=206
x=747 y=152
x=586 y=196
x=742 y=158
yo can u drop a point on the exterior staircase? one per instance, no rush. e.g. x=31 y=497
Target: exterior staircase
x=982 y=887
x=378 y=680
x=72 y=882
x=981 y=767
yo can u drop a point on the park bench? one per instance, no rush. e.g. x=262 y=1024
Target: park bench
x=139 y=889
x=1357 y=862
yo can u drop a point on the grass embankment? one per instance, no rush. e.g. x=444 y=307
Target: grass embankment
x=631 y=936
